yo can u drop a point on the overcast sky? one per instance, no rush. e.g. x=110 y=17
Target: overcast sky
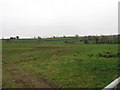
x=29 y=18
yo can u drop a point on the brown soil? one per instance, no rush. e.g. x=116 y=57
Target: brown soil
x=27 y=80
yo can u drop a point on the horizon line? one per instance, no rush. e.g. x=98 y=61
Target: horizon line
x=22 y=37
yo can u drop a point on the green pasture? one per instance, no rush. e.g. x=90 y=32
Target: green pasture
x=63 y=65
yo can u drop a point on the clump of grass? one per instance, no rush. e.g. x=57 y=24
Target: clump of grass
x=90 y=55
x=107 y=54
x=77 y=60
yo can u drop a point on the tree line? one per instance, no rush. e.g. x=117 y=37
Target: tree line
x=110 y=39
x=102 y=39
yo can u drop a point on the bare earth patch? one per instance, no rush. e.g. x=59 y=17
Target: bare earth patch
x=28 y=80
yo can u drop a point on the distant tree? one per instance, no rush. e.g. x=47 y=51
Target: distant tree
x=103 y=39
x=39 y=37
x=17 y=37
x=76 y=36
x=53 y=36
x=97 y=38
x=12 y=38
x=64 y=36
x=89 y=37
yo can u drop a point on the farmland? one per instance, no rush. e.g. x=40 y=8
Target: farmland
x=46 y=63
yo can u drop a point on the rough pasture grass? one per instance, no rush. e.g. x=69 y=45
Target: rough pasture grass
x=62 y=65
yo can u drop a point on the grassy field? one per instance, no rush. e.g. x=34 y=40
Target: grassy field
x=53 y=63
